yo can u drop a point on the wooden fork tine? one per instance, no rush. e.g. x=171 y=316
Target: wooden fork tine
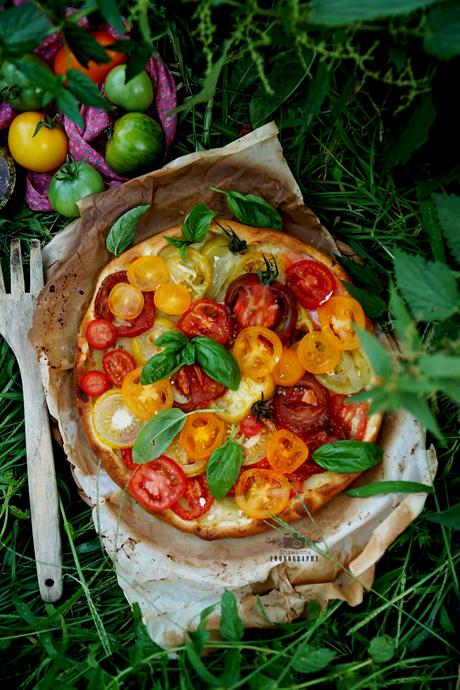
x=16 y=273
x=36 y=267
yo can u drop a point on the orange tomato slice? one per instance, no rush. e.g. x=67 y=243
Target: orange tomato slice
x=316 y=354
x=172 y=299
x=286 y=451
x=288 y=370
x=148 y=272
x=126 y=301
x=257 y=350
x=337 y=317
x=202 y=433
x=146 y=401
x=262 y=493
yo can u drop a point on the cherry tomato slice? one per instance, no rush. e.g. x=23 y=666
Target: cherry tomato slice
x=196 y=500
x=94 y=383
x=158 y=484
x=257 y=350
x=100 y=334
x=194 y=389
x=337 y=317
x=262 y=493
x=286 y=451
x=302 y=408
x=208 y=319
x=288 y=370
x=117 y=364
x=131 y=328
x=316 y=354
x=148 y=272
x=349 y=419
x=251 y=302
x=311 y=282
x=126 y=302
x=249 y=426
x=172 y=299
x=202 y=433
x=101 y=303
x=114 y=424
x=146 y=401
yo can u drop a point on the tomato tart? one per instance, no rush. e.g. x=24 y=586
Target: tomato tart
x=210 y=376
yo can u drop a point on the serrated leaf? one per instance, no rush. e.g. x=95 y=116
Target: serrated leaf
x=389 y=487
x=442 y=31
x=380 y=359
x=429 y=287
x=382 y=649
x=123 y=232
x=310 y=659
x=111 y=13
x=447 y=518
x=83 y=45
x=69 y=106
x=39 y=74
x=341 y=12
x=138 y=59
x=373 y=305
x=430 y=223
x=22 y=27
x=85 y=90
x=413 y=135
x=361 y=274
x=403 y=324
x=448 y=209
x=421 y=410
x=231 y=626
x=285 y=78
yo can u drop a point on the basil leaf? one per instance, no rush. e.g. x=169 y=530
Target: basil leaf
x=223 y=468
x=180 y=244
x=390 y=487
x=123 y=231
x=348 y=456
x=189 y=353
x=252 y=209
x=161 y=366
x=174 y=340
x=196 y=223
x=217 y=362
x=158 y=434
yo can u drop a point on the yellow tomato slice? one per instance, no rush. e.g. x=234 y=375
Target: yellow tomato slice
x=351 y=374
x=126 y=301
x=114 y=423
x=235 y=405
x=304 y=320
x=316 y=354
x=146 y=401
x=257 y=350
x=148 y=272
x=195 y=273
x=143 y=347
x=202 y=433
x=249 y=263
x=262 y=493
x=286 y=451
x=337 y=317
x=172 y=299
x=288 y=370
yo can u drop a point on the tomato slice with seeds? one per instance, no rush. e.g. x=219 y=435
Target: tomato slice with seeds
x=196 y=501
x=262 y=493
x=94 y=383
x=257 y=350
x=202 y=433
x=249 y=426
x=100 y=334
x=101 y=304
x=117 y=364
x=349 y=419
x=131 y=328
x=337 y=318
x=302 y=408
x=316 y=354
x=311 y=282
x=158 y=484
x=288 y=370
x=286 y=451
x=251 y=302
x=194 y=389
x=208 y=319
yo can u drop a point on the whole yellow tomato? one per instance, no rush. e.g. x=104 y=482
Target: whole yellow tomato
x=40 y=152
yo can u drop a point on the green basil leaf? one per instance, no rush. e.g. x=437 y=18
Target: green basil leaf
x=123 y=231
x=189 y=353
x=348 y=456
x=180 y=244
x=223 y=468
x=161 y=366
x=252 y=209
x=158 y=434
x=390 y=487
x=217 y=362
x=173 y=340
x=196 y=223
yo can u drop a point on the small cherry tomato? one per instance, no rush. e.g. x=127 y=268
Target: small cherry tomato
x=117 y=364
x=147 y=272
x=65 y=59
x=94 y=383
x=316 y=354
x=146 y=401
x=286 y=451
x=172 y=299
x=249 y=426
x=158 y=484
x=194 y=389
x=349 y=419
x=337 y=317
x=257 y=350
x=262 y=493
x=113 y=422
x=288 y=370
x=311 y=282
x=126 y=302
x=40 y=152
x=196 y=501
x=100 y=334
x=208 y=319
x=202 y=433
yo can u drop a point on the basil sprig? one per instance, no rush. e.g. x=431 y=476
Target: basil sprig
x=223 y=468
x=212 y=357
x=251 y=209
x=158 y=434
x=348 y=456
x=194 y=228
x=123 y=231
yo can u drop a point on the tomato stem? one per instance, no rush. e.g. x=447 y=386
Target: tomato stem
x=269 y=272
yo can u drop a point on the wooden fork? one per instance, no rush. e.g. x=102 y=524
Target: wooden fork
x=16 y=312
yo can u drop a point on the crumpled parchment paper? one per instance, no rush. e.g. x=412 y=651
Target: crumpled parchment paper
x=174 y=576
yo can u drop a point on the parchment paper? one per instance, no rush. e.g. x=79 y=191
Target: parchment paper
x=173 y=575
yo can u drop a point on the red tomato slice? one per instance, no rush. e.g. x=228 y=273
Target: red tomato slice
x=349 y=419
x=158 y=484
x=251 y=302
x=196 y=500
x=249 y=426
x=118 y=363
x=302 y=408
x=101 y=334
x=311 y=282
x=127 y=457
x=208 y=319
x=94 y=383
x=261 y=465
x=194 y=389
x=131 y=328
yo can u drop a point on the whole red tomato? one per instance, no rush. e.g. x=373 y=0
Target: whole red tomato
x=95 y=71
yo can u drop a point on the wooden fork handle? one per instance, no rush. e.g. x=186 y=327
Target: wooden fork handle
x=43 y=494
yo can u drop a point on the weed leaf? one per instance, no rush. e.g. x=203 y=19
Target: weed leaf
x=380 y=359
x=413 y=135
x=442 y=31
x=373 y=305
x=285 y=78
x=389 y=487
x=310 y=659
x=231 y=626
x=382 y=649
x=448 y=208
x=340 y=12
x=447 y=518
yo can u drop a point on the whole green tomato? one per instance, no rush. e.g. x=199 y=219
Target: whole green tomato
x=136 y=144
x=136 y=94
x=73 y=181
x=18 y=89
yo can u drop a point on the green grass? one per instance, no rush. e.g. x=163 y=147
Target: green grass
x=337 y=143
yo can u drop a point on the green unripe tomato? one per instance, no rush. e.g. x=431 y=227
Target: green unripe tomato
x=136 y=144
x=134 y=95
x=73 y=181
x=18 y=89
